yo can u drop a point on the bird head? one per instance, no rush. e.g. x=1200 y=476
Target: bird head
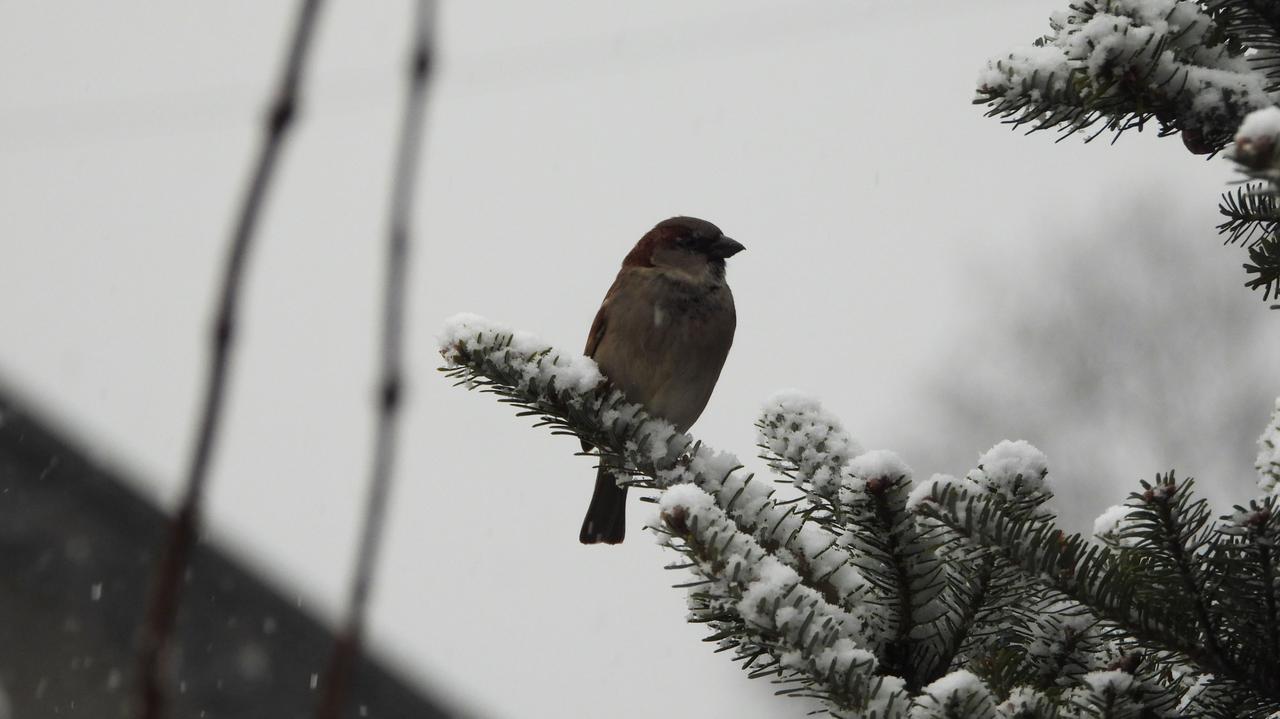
x=684 y=244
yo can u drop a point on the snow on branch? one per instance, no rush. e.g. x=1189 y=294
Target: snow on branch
x=760 y=608
x=803 y=441
x=950 y=598
x=714 y=496
x=1252 y=211
x=1119 y=64
x=1268 y=463
x=1169 y=583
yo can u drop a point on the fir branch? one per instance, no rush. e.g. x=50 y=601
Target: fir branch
x=1268 y=460
x=1264 y=262
x=1254 y=24
x=166 y=590
x=1110 y=695
x=567 y=393
x=800 y=439
x=1250 y=211
x=970 y=589
x=969 y=575
x=1122 y=65
x=1248 y=563
x=1088 y=573
x=863 y=501
x=760 y=606
x=897 y=559
x=959 y=695
x=1059 y=641
x=1027 y=703
x=1172 y=527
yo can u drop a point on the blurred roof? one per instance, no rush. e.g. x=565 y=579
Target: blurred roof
x=77 y=547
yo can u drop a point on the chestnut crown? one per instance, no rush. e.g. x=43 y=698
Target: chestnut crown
x=695 y=239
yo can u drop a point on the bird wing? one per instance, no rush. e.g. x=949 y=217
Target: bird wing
x=594 y=336
x=597 y=329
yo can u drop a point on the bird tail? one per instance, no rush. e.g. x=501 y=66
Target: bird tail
x=606 y=519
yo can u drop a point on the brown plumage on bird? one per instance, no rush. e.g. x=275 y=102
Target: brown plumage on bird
x=661 y=336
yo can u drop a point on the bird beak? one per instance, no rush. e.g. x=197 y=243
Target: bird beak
x=725 y=247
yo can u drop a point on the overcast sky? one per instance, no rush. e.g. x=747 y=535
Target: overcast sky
x=836 y=140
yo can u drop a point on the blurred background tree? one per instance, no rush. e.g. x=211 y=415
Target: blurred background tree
x=1128 y=350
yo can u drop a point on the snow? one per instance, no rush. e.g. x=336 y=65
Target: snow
x=1056 y=628
x=953 y=683
x=924 y=490
x=794 y=426
x=1013 y=75
x=1165 y=41
x=1268 y=462
x=1114 y=681
x=568 y=370
x=958 y=691
x=689 y=497
x=1025 y=701
x=1011 y=469
x=1111 y=523
x=721 y=477
x=879 y=464
x=1256 y=139
x=773 y=582
x=1259 y=124
x=794 y=618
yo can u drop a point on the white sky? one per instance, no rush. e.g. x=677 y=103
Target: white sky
x=836 y=140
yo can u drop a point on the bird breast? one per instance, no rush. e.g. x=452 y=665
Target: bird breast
x=665 y=341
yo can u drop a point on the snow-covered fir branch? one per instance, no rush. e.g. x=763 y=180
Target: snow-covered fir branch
x=1253 y=211
x=1207 y=69
x=1112 y=65
x=949 y=598
x=1268 y=462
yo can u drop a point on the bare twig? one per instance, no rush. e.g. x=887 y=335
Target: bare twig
x=347 y=646
x=166 y=590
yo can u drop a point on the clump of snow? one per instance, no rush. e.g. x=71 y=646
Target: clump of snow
x=1030 y=71
x=954 y=683
x=1025 y=701
x=960 y=693
x=795 y=427
x=688 y=497
x=1114 y=681
x=1056 y=628
x=535 y=359
x=1111 y=526
x=1254 y=518
x=879 y=464
x=1257 y=137
x=1012 y=469
x=1268 y=462
x=773 y=582
x=924 y=491
x=1199 y=686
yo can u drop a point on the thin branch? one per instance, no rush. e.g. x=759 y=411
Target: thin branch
x=347 y=646
x=166 y=590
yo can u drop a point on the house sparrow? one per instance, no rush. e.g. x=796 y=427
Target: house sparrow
x=661 y=336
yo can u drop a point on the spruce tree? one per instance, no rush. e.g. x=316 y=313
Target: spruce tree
x=952 y=597
x=888 y=597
